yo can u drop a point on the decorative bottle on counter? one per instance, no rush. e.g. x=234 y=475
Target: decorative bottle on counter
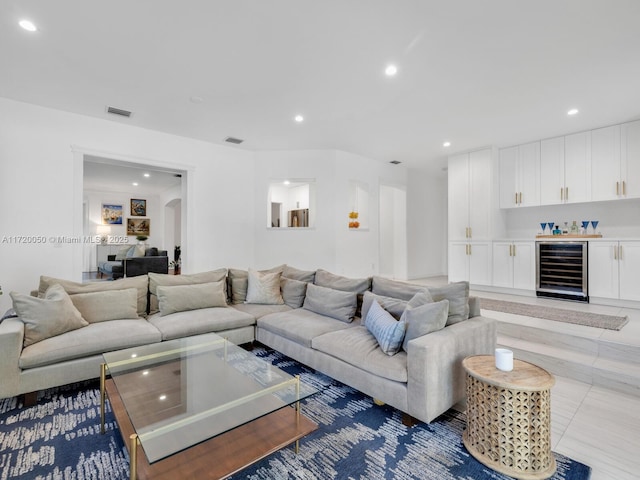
x=574 y=228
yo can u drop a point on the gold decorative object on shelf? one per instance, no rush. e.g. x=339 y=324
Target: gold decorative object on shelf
x=353 y=215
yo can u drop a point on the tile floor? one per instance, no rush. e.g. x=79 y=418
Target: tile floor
x=593 y=425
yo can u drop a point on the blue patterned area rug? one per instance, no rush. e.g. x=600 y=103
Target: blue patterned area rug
x=59 y=439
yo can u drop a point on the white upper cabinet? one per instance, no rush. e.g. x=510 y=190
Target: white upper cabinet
x=552 y=171
x=577 y=168
x=630 y=160
x=469 y=182
x=520 y=176
x=606 y=183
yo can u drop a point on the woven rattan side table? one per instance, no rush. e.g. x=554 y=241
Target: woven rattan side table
x=509 y=417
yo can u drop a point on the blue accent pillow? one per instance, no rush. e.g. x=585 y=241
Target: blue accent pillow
x=388 y=331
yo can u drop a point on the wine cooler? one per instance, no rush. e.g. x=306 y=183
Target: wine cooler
x=562 y=270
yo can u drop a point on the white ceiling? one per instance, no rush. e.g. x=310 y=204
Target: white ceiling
x=474 y=72
x=103 y=175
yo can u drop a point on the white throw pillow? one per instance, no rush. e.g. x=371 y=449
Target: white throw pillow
x=180 y=298
x=47 y=317
x=108 y=305
x=264 y=288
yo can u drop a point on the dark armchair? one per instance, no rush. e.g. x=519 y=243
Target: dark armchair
x=154 y=260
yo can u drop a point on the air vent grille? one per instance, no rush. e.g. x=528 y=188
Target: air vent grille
x=237 y=141
x=119 y=111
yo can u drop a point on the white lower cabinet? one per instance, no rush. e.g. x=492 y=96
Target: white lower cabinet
x=514 y=265
x=471 y=262
x=613 y=270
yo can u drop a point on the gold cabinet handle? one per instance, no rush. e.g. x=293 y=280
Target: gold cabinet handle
x=520 y=198
x=470 y=232
x=561 y=194
x=514 y=250
x=516 y=198
x=619 y=252
x=566 y=194
x=624 y=187
x=617 y=188
x=469 y=249
x=615 y=252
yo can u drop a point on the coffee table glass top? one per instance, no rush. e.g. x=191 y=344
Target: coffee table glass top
x=182 y=392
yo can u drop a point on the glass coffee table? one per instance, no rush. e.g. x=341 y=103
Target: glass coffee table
x=200 y=407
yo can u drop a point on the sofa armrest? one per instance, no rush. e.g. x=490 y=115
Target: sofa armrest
x=436 y=379
x=11 y=340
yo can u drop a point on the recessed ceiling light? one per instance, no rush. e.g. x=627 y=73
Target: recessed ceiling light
x=147 y=175
x=573 y=111
x=28 y=25
x=287 y=182
x=446 y=144
x=391 y=70
x=299 y=118
x=135 y=184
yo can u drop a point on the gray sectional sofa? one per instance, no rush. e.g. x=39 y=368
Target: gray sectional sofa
x=309 y=316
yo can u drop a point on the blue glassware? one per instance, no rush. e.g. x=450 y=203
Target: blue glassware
x=543 y=225
x=594 y=224
x=551 y=224
x=585 y=225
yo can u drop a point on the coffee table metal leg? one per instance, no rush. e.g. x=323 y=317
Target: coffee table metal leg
x=134 y=456
x=297 y=410
x=103 y=371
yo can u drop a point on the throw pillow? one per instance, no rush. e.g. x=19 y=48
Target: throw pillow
x=293 y=292
x=301 y=275
x=420 y=298
x=163 y=279
x=140 y=283
x=238 y=281
x=424 y=319
x=122 y=252
x=180 y=298
x=338 y=282
x=458 y=296
x=331 y=303
x=388 y=331
x=264 y=288
x=394 y=288
x=394 y=306
x=47 y=317
x=109 y=305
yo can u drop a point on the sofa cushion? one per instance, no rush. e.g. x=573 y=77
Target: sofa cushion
x=166 y=280
x=394 y=288
x=238 y=282
x=301 y=275
x=141 y=284
x=424 y=319
x=264 y=288
x=93 y=339
x=122 y=252
x=293 y=292
x=204 y=320
x=458 y=296
x=388 y=331
x=300 y=325
x=47 y=317
x=108 y=305
x=256 y=310
x=181 y=298
x=337 y=282
x=359 y=348
x=332 y=303
x=394 y=306
x=421 y=298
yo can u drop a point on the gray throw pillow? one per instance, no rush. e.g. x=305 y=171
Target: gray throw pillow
x=293 y=292
x=238 y=282
x=394 y=288
x=264 y=288
x=165 y=280
x=388 y=331
x=420 y=298
x=458 y=296
x=108 y=305
x=338 y=282
x=181 y=298
x=301 y=275
x=424 y=319
x=331 y=303
x=46 y=317
x=394 y=306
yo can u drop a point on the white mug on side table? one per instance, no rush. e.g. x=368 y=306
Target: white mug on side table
x=504 y=359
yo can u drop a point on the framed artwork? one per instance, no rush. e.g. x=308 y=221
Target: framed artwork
x=111 y=214
x=138 y=226
x=138 y=207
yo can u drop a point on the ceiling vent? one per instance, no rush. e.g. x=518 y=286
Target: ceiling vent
x=119 y=111
x=395 y=162
x=237 y=141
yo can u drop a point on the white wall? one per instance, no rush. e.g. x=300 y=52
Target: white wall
x=426 y=224
x=41 y=189
x=330 y=244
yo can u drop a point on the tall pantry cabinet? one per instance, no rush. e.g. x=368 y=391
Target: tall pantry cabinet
x=471 y=205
